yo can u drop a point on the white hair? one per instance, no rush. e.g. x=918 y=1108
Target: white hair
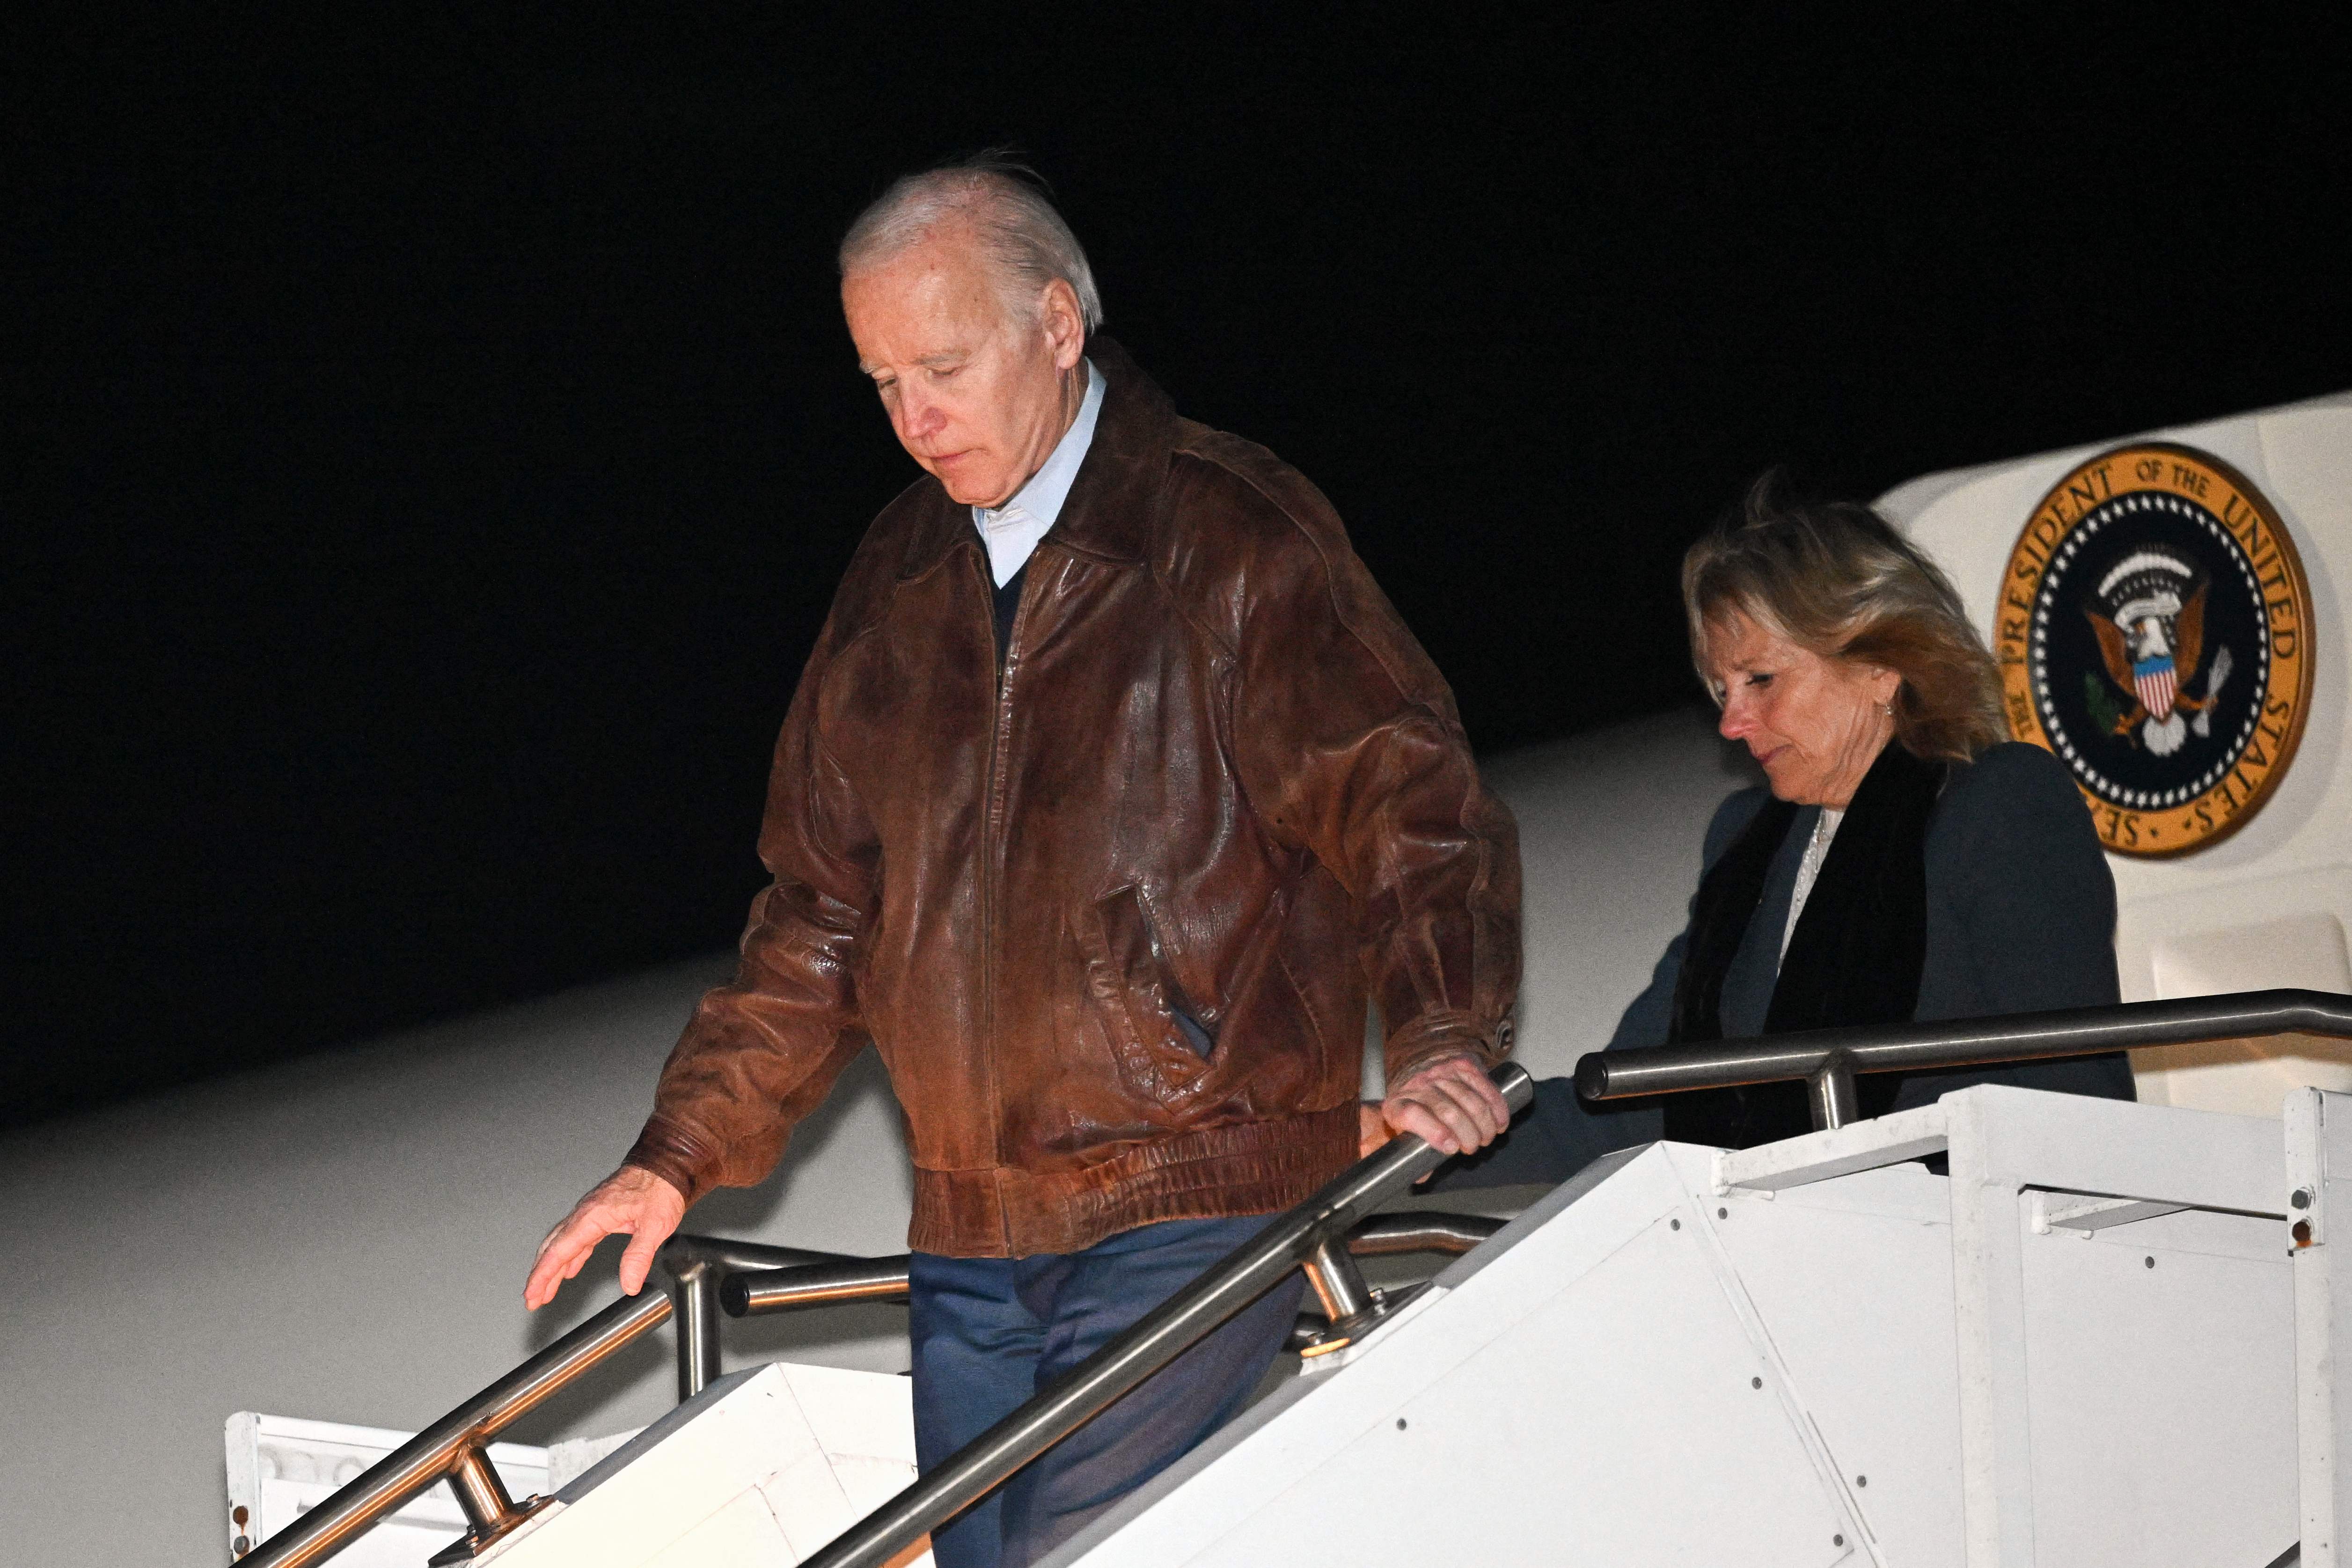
x=1027 y=243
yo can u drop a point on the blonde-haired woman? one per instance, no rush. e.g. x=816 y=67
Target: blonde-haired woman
x=1903 y=861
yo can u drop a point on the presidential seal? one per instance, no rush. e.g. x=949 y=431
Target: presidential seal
x=2155 y=632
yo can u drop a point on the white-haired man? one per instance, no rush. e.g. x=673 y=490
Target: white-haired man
x=1111 y=784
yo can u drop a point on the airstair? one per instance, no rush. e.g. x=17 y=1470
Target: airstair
x=2010 y=1328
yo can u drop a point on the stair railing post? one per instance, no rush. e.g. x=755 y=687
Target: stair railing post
x=481 y=1494
x=694 y=1283
x=491 y=1510
x=1338 y=1283
x=1831 y=1089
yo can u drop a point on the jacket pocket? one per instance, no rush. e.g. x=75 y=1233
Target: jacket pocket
x=1162 y=1043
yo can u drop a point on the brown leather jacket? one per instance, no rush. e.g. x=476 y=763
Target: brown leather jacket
x=1216 y=778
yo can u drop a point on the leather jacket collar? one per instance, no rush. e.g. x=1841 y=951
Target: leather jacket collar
x=1101 y=517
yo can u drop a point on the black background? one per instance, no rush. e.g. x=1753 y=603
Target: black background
x=426 y=451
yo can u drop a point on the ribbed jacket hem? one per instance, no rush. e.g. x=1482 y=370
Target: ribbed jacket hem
x=1445 y=1032
x=1257 y=1167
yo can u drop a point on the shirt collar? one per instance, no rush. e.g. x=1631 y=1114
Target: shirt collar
x=1012 y=531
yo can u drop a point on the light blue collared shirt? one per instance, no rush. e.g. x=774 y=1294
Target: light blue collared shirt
x=1012 y=531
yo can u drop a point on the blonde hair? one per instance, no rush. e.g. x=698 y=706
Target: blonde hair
x=1834 y=578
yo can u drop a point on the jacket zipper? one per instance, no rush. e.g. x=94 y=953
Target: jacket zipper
x=992 y=834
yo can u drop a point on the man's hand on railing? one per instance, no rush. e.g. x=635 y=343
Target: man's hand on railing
x=1450 y=1103
x=630 y=1201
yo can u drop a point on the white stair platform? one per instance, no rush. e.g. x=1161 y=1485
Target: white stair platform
x=2076 y=1348
x=281 y=1466
x=758 y=1470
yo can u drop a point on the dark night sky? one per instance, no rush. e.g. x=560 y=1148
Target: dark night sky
x=429 y=452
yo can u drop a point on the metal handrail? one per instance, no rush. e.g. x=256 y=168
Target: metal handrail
x=833 y=1280
x=705 y=1269
x=1827 y=1059
x=697 y=1265
x=454 y=1449
x=1392 y=1235
x=1311 y=1237
x=816 y=1285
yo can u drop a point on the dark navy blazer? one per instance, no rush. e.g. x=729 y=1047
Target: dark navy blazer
x=2021 y=906
x=2020 y=917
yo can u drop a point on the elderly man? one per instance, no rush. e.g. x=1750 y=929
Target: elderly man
x=1112 y=782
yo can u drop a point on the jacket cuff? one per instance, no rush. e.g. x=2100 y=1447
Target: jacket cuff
x=676 y=1155
x=1440 y=1034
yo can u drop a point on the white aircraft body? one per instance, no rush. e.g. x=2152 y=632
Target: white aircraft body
x=343 y=1238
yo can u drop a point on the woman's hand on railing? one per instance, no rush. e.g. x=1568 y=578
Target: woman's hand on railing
x=630 y=1201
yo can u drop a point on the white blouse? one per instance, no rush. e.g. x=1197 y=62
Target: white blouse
x=1817 y=850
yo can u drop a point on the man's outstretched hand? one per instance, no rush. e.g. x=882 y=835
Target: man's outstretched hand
x=629 y=1202
x=1450 y=1103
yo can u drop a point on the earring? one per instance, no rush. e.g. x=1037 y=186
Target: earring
x=1887 y=709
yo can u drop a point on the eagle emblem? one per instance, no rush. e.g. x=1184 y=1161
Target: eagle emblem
x=2149 y=615
x=2154 y=632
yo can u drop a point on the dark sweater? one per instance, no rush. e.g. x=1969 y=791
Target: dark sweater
x=1008 y=604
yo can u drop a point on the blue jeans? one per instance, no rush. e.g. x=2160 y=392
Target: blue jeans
x=989 y=1333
